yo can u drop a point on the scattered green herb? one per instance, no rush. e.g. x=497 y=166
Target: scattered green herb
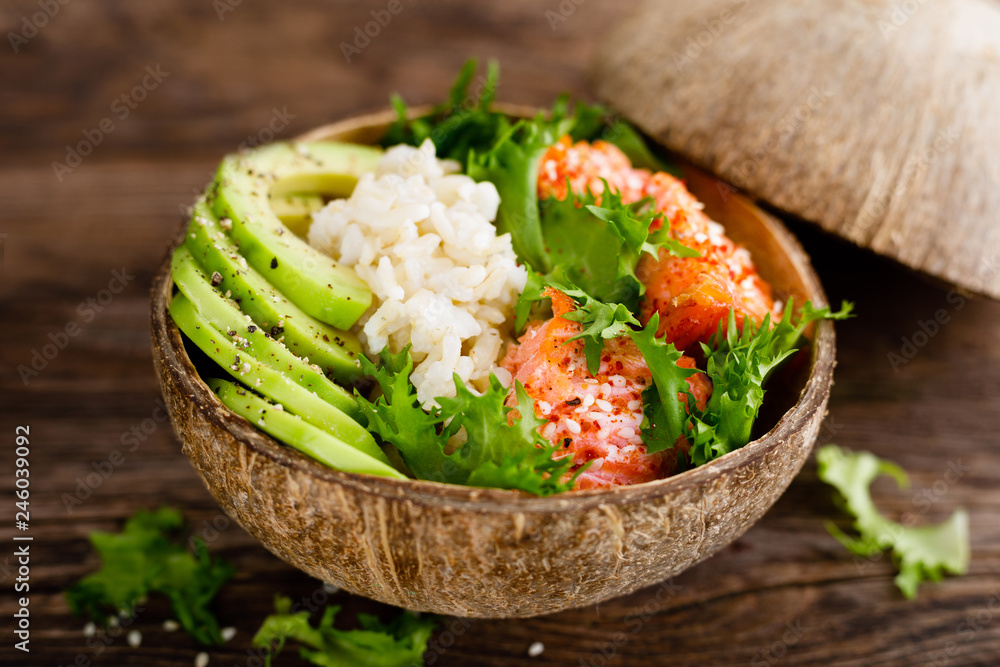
x=400 y=643
x=922 y=553
x=145 y=558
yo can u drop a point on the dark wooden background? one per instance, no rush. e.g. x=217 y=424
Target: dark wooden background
x=786 y=593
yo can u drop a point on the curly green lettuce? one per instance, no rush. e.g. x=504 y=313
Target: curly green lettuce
x=922 y=553
x=146 y=558
x=500 y=445
x=399 y=643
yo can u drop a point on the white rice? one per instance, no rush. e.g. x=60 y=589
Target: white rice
x=422 y=237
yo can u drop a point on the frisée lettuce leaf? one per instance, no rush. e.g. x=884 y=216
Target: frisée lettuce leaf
x=739 y=362
x=922 y=553
x=492 y=146
x=146 y=558
x=494 y=448
x=399 y=643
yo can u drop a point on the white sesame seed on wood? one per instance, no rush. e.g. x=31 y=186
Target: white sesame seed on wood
x=171 y=625
x=201 y=660
x=536 y=649
x=228 y=633
x=89 y=630
x=134 y=638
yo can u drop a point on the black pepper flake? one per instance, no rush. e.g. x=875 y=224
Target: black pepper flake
x=216 y=279
x=251 y=328
x=574 y=401
x=567 y=442
x=232 y=332
x=274 y=262
x=277 y=331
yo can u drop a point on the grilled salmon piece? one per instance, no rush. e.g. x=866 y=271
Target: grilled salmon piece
x=592 y=417
x=692 y=295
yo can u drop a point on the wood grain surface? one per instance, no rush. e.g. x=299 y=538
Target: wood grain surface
x=784 y=594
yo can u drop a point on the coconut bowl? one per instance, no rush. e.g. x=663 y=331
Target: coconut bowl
x=491 y=553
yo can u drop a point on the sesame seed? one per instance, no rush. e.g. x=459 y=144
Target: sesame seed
x=634 y=405
x=536 y=649
x=602 y=435
x=545 y=407
x=604 y=405
x=171 y=625
x=588 y=401
x=605 y=389
x=590 y=380
x=89 y=630
x=134 y=638
x=245 y=368
x=617 y=380
x=596 y=465
x=580 y=410
x=201 y=660
x=626 y=432
x=227 y=633
x=113 y=622
x=572 y=426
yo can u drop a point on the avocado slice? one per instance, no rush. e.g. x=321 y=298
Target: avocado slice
x=273 y=384
x=225 y=317
x=314 y=282
x=299 y=434
x=295 y=210
x=333 y=350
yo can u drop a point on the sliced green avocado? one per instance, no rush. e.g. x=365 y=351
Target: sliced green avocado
x=333 y=350
x=273 y=384
x=245 y=181
x=295 y=210
x=225 y=316
x=299 y=434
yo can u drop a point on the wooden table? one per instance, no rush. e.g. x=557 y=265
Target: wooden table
x=785 y=593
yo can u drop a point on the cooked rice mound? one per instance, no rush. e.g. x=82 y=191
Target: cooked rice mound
x=422 y=237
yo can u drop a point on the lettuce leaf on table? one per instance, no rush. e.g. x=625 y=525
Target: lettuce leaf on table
x=922 y=553
x=399 y=643
x=145 y=558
